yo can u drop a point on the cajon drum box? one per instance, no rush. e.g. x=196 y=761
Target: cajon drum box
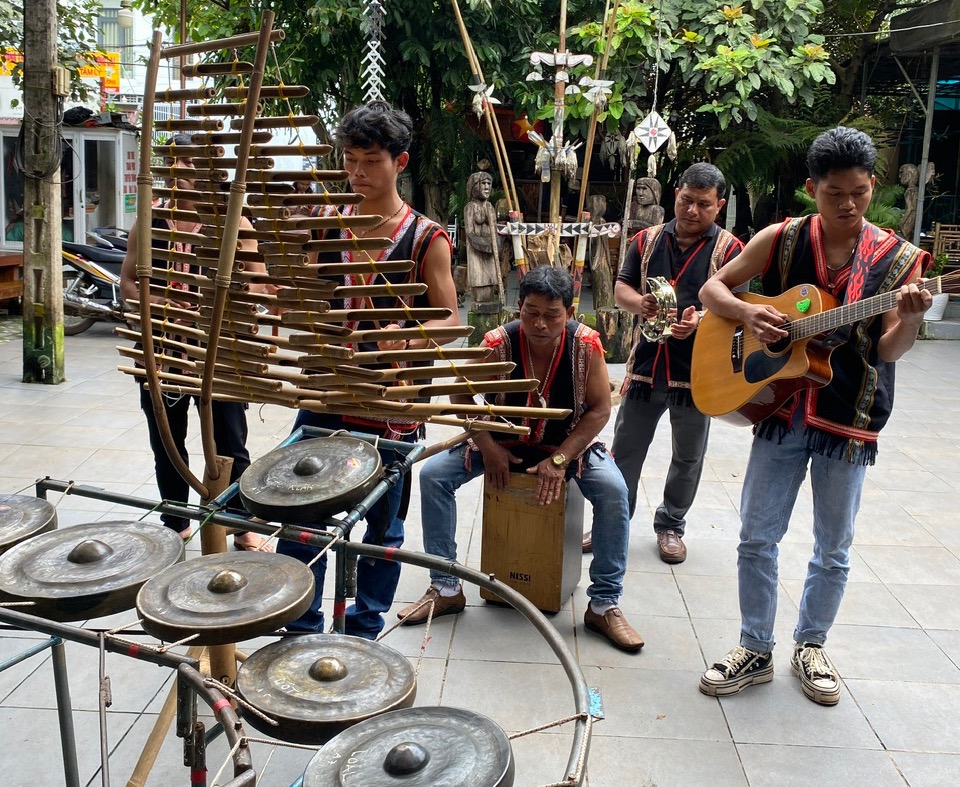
x=536 y=550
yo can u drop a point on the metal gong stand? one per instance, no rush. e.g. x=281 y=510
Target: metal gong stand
x=331 y=533
x=80 y=573
x=191 y=683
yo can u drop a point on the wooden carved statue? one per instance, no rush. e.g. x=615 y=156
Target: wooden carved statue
x=480 y=230
x=646 y=209
x=602 y=273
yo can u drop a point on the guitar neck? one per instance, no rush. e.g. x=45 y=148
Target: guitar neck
x=849 y=313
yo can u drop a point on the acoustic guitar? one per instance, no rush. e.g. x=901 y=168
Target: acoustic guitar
x=736 y=377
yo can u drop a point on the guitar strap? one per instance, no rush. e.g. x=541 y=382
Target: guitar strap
x=872 y=244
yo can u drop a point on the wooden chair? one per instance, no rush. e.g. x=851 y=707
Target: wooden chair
x=946 y=240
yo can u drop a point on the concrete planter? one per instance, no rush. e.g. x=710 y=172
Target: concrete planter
x=937 y=308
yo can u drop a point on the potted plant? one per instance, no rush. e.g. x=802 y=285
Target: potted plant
x=939 y=305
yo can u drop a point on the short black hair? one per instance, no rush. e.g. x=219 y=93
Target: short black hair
x=703 y=176
x=176 y=140
x=552 y=283
x=841 y=148
x=375 y=123
x=179 y=139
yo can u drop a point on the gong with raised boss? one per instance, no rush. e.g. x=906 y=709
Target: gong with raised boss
x=314 y=686
x=310 y=479
x=22 y=517
x=87 y=571
x=223 y=598
x=416 y=747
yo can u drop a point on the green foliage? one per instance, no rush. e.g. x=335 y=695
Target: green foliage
x=427 y=72
x=939 y=265
x=723 y=61
x=76 y=39
x=882 y=210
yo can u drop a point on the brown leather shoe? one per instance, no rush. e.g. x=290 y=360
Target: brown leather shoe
x=416 y=613
x=671 y=546
x=613 y=625
x=588 y=542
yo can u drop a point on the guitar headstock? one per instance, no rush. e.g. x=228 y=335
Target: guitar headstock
x=949 y=282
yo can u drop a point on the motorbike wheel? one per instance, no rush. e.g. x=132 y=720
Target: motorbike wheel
x=73 y=324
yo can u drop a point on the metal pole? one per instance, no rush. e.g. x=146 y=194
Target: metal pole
x=925 y=152
x=68 y=741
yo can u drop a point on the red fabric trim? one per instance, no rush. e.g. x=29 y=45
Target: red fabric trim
x=592 y=338
x=493 y=338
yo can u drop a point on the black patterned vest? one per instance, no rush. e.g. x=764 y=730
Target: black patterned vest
x=843 y=418
x=566 y=390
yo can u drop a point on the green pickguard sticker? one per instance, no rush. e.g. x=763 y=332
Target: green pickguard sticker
x=804 y=305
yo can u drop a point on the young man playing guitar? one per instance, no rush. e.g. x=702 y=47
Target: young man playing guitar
x=832 y=429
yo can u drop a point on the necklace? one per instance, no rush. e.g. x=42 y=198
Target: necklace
x=387 y=220
x=852 y=252
x=549 y=373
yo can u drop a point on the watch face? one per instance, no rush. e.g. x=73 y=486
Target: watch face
x=558 y=459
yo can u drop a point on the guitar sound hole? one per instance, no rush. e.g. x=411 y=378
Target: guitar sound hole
x=779 y=347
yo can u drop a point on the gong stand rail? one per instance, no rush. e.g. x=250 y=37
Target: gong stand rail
x=68 y=741
x=346 y=554
x=190 y=686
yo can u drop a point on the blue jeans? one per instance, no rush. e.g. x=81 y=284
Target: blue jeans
x=770 y=488
x=376 y=579
x=600 y=482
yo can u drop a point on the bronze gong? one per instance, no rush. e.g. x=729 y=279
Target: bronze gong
x=311 y=479
x=316 y=685
x=22 y=517
x=416 y=747
x=225 y=597
x=87 y=571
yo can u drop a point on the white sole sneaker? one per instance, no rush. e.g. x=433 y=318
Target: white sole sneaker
x=823 y=685
x=738 y=670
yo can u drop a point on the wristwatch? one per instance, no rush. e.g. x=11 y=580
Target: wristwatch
x=559 y=460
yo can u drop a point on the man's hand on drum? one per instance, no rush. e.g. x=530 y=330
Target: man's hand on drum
x=496 y=462
x=392 y=344
x=549 y=481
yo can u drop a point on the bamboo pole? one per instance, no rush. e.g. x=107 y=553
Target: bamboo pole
x=601 y=70
x=230 y=235
x=144 y=267
x=499 y=149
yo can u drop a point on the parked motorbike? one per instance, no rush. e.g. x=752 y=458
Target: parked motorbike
x=91 y=286
x=110 y=237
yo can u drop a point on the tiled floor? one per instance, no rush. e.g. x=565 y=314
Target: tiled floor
x=896 y=643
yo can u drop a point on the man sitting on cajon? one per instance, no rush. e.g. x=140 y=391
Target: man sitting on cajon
x=546 y=343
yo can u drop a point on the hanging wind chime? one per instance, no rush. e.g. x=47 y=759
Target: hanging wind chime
x=373 y=63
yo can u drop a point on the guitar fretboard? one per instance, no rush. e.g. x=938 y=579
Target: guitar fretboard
x=849 y=313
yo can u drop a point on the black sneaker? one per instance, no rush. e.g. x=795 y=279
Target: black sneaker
x=737 y=670
x=818 y=676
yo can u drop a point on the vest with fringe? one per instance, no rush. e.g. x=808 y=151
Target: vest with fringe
x=650 y=363
x=842 y=419
x=566 y=389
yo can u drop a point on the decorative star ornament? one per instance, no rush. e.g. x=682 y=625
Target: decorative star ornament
x=652 y=132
